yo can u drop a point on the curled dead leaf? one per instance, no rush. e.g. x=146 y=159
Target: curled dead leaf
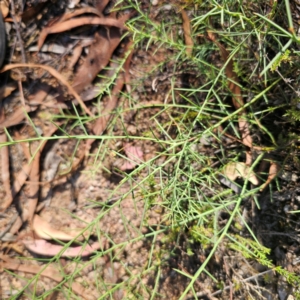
x=273 y=172
x=233 y=170
x=45 y=231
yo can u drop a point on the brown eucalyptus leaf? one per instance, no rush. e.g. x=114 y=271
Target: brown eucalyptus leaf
x=43 y=247
x=274 y=169
x=45 y=231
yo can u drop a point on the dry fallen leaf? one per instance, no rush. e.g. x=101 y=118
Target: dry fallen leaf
x=69 y=24
x=100 y=53
x=34 y=175
x=187 y=33
x=55 y=74
x=80 y=11
x=7 y=89
x=101 y=122
x=32 y=11
x=4 y=8
x=233 y=170
x=43 y=247
x=5 y=173
x=135 y=157
x=26 y=170
x=20 y=113
x=273 y=172
x=44 y=230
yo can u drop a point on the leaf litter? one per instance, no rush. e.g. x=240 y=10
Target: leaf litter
x=43 y=238
x=105 y=41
